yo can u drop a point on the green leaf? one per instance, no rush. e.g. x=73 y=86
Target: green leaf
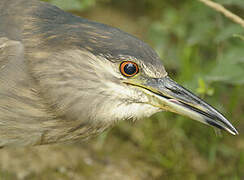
x=203 y=88
x=239 y=36
x=228 y=32
x=229 y=69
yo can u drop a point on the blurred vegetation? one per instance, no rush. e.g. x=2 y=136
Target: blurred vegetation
x=202 y=50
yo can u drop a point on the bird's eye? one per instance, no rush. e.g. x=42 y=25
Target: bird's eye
x=129 y=68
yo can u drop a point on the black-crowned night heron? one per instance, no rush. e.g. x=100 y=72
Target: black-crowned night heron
x=63 y=78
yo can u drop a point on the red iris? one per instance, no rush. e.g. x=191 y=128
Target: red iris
x=129 y=68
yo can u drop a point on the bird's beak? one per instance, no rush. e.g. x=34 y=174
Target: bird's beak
x=166 y=94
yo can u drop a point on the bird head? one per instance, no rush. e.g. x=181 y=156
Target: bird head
x=101 y=74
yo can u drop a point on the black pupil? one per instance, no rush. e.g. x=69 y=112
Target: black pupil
x=130 y=68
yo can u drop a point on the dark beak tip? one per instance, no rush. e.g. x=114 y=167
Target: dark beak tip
x=235 y=132
x=232 y=131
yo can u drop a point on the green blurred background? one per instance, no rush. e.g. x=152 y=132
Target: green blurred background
x=201 y=50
